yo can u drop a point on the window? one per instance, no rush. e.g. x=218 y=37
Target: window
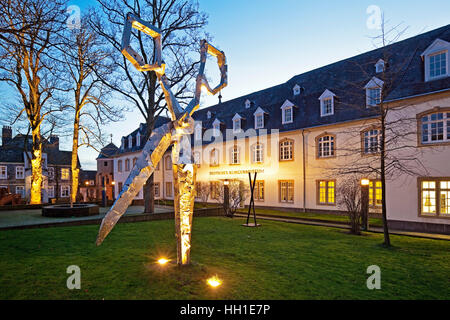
x=214 y=157
x=65 y=174
x=325 y=146
x=168 y=162
x=372 y=141
x=198 y=133
x=138 y=139
x=373 y=96
x=326 y=192
x=296 y=90
x=215 y=189
x=259 y=121
x=119 y=165
x=247 y=104
x=379 y=66
x=435 y=196
x=287 y=115
x=435 y=127
x=286 y=150
x=287 y=112
x=65 y=191
x=105 y=163
x=168 y=189
x=3 y=172
x=208 y=115
x=375 y=193
x=123 y=144
x=20 y=190
x=51 y=191
x=259 y=190
x=258 y=156
x=127 y=165
x=120 y=186
x=236 y=125
x=235 y=156
x=20 y=172
x=134 y=161
x=197 y=158
x=157 y=167
x=327 y=103
x=216 y=128
x=286 y=190
x=51 y=172
x=130 y=142
x=156 y=189
x=438 y=64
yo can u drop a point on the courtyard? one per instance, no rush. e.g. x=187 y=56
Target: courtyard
x=277 y=261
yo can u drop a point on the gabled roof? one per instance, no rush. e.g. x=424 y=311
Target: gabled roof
x=437 y=45
x=326 y=94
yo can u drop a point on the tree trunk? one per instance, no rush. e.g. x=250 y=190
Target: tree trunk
x=36 y=167
x=387 y=241
x=149 y=196
x=75 y=170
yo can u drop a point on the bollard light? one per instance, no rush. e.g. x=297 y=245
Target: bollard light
x=365 y=182
x=214 y=282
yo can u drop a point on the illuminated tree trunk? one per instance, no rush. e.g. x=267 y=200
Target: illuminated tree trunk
x=75 y=170
x=36 y=167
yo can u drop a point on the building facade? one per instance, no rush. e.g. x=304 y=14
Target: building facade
x=305 y=138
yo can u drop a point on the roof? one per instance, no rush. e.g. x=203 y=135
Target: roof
x=13 y=152
x=108 y=151
x=88 y=174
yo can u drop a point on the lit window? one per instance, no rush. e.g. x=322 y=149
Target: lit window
x=325 y=146
x=435 y=197
x=372 y=141
x=235 y=156
x=3 y=172
x=286 y=190
x=65 y=191
x=436 y=127
x=169 y=189
x=258 y=153
x=20 y=172
x=375 y=193
x=438 y=65
x=286 y=150
x=259 y=190
x=327 y=192
x=65 y=174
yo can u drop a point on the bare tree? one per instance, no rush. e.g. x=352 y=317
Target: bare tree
x=181 y=24
x=237 y=193
x=203 y=192
x=27 y=65
x=349 y=198
x=85 y=61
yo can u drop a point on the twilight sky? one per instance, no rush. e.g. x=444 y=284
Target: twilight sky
x=269 y=41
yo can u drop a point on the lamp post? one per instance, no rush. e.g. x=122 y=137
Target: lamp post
x=226 y=196
x=113 y=183
x=365 y=203
x=104 y=201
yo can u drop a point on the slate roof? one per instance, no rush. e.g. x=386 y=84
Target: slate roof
x=13 y=151
x=88 y=175
x=108 y=151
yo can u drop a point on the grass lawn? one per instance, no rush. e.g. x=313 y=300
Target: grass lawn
x=277 y=261
x=376 y=222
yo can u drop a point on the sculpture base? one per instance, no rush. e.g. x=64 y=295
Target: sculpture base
x=251 y=225
x=65 y=210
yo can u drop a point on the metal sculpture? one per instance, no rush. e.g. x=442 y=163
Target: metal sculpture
x=174 y=133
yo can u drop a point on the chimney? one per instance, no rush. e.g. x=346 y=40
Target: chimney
x=6 y=135
x=54 y=141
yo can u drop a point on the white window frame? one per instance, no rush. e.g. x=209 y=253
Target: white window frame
x=3 y=172
x=286 y=188
x=52 y=193
x=326 y=148
x=123 y=143
x=287 y=105
x=18 y=175
x=22 y=193
x=214 y=157
x=138 y=140
x=68 y=173
x=130 y=142
x=198 y=132
x=438 y=46
x=427 y=129
x=326 y=96
x=248 y=104
x=259 y=114
x=208 y=115
x=216 y=128
x=235 y=155
x=290 y=149
x=380 y=66
x=65 y=188
x=258 y=153
x=237 y=123
x=373 y=84
x=296 y=90
x=368 y=136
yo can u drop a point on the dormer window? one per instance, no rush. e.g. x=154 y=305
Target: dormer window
x=287 y=112
x=198 y=132
x=373 y=92
x=248 y=104
x=216 y=128
x=327 y=103
x=259 y=118
x=237 y=125
x=208 y=115
x=436 y=60
x=379 y=66
x=122 y=146
x=138 y=139
x=296 y=90
x=130 y=142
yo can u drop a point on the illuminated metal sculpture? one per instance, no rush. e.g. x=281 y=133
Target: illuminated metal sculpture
x=174 y=133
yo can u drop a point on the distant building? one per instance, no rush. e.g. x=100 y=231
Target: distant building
x=88 y=191
x=15 y=169
x=105 y=171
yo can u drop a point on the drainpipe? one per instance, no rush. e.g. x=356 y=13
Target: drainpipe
x=304 y=170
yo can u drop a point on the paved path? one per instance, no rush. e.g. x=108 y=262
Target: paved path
x=344 y=226
x=14 y=218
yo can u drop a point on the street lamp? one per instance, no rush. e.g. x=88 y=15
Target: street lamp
x=365 y=203
x=226 y=196
x=113 y=183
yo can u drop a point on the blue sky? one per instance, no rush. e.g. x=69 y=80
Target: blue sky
x=269 y=41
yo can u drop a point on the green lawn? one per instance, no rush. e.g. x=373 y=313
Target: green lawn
x=375 y=222
x=277 y=261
